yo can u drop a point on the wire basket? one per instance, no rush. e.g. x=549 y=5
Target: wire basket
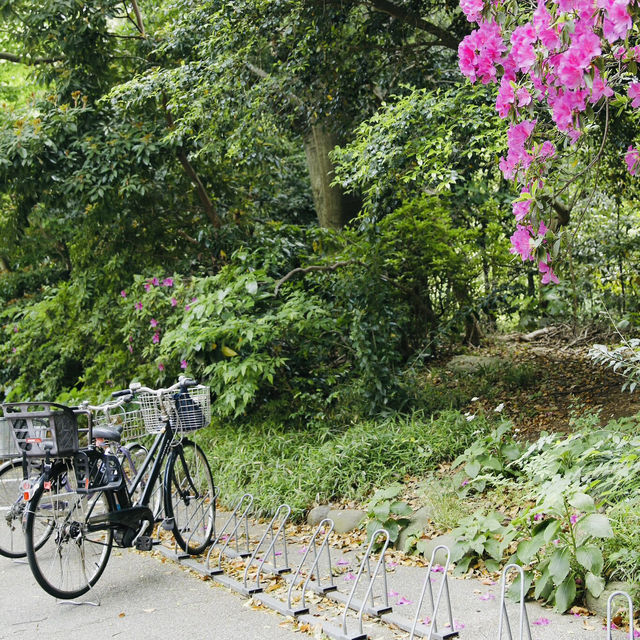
x=41 y=428
x=8 y=447
x=128 y=417
x=187 y=411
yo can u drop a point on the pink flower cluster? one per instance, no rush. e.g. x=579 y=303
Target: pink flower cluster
x=555 y=60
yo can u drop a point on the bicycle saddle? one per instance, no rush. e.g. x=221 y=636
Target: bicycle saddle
x=108 y=433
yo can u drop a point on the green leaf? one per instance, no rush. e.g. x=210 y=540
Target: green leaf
x=544 y=585
x=514 y=590
x=381 y=511
x=462 y=566
x=527 y=549
x=583 y=502
x=401 y=509
x=565 y=594
x=559 y=565
x=590 y=558
x=393 y=528
x=595 y=525
x=551 y=530
x=472 y=468
x=594 y=584
x=252 y=287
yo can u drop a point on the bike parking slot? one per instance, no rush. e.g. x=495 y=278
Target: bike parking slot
x=361 y=606
x=504 y=614
x=236 y=526
x=612 y=597
x=429 y=630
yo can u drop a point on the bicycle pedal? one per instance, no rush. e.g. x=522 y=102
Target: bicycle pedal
x=144 y=543
x=168 y=524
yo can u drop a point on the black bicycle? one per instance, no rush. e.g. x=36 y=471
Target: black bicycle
x=81 y=505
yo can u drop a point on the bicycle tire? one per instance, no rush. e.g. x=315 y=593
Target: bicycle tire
x=190 y=497
x=12 y=506
x=69 y=560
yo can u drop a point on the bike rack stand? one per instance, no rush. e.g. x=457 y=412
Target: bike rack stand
x=279 y=519
x=342 y=632
x=504 y=614
x=419 y=629
x=240 y=519
x=324 y=528
x=612 y=597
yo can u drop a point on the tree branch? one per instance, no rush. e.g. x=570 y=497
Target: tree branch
x=444 y=37
x=12 y=57
x=209 y=207
x=140 y=25
x=313 y=267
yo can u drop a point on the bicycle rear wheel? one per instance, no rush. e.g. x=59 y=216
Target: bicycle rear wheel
x=66 y=554
x=11 y=509
x=132 y=457
x=190 y=497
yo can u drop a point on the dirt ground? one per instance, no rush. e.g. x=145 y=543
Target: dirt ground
x=566 y=383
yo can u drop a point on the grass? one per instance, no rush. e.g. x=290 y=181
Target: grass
x=328 y=463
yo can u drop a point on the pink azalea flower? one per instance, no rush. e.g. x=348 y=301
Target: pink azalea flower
x=548 y=149
x=138 y=306
x=167 y=282
x=631 y=159
x=156 y=338
x=147 y=286
x=160 y=366
x=174 y=302
x=153 y=322
x=15 y=328
x=574 y=518
x=472 y=9
x=187 y=307
x=13 y=349
x=130 y=349
x=194 y=299
x=183 y=364
x=123 y=293
x=155 y=282
x=634 y=93
x=521 y=209
x=521 y=242
x=542 y=622
x=547 y=276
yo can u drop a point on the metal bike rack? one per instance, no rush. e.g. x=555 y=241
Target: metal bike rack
x=504 y=615
x=432 y=632
x=324 y=528
x=204 y=515
x=612 y=597
x=240 y=519
x=271 y=549
x=342 y=632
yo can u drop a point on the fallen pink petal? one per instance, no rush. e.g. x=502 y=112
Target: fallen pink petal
x=393 y=594
x=343 y=562
x=437 y=569
x=487 y=596
x=402 y=601
x=349 y=576
x=542 y=622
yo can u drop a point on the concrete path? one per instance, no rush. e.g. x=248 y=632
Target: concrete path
x=140 y=598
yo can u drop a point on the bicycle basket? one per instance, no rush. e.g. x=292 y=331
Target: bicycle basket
x=39 y=428
x=187 y=411
x=8 y=448
x=128 y=417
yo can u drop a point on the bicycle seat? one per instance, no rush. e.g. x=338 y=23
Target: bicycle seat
x=108 y=433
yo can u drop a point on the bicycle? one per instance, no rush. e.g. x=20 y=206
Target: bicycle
x=15 y=469
x=81 y=505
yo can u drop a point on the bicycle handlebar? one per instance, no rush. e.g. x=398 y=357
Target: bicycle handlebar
x=135 y=387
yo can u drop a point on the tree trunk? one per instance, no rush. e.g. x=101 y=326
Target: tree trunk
x=333 y=207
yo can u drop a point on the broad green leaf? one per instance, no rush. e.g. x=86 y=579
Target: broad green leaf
x=544 y=585
x=565 y=594
x=472 y=468
x=590 y=558
x=551 y=530
x=381 y=511
x=252 y=287
x=583 y=502
x=595 y=525
x=594 y=584
x=401 y=508
x=527 y=549
x=514 y=589
x=559 y=565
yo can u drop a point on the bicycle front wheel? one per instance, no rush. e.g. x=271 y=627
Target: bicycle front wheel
x=67 y=553
x=190 y=497
x=12 y=506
